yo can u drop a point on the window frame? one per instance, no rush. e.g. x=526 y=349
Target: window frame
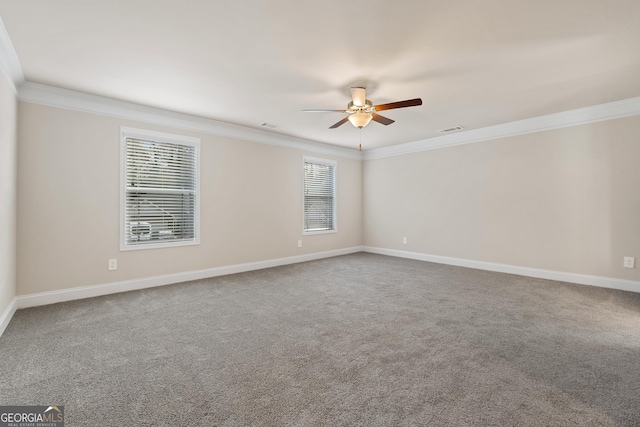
x=128 y=132
x=327 y=162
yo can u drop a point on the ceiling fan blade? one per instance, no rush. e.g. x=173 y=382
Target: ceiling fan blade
x=340 y=123
x=381 y=119
x=359 y=96
x=399 y=104
x=323 y=111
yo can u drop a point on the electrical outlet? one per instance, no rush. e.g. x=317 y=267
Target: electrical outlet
x=404 y=240
x=629 y=262
x=299 y=243
x=113 y=264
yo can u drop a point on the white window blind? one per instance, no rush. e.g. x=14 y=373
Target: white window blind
x=319 y=195
x=160 y=192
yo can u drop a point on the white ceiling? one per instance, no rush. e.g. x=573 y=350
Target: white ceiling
x=474 y=63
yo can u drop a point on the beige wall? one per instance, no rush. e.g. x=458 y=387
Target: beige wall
x=8 y=142
x=565 y=200
x=68 y=204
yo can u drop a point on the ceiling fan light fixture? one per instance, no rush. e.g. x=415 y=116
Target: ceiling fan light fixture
x=360 y=119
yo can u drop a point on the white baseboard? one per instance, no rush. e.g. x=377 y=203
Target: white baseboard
x=44 y=298
x=582 y=279
x=7 y=315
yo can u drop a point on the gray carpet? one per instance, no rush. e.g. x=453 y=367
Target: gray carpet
x=357 y=340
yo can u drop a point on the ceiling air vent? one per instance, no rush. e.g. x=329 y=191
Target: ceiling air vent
x=268 y=125
x=453 y=129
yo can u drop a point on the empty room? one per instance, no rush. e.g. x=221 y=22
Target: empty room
x=319 y=213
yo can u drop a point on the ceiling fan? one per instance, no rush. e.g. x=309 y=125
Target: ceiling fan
x=361 y=111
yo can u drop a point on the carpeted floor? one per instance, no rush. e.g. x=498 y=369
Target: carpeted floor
x=357 y=340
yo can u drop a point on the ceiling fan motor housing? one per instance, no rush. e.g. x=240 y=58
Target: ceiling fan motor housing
x=366 y=108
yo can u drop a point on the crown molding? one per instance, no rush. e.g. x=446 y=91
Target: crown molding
x=63 y=98
x=9 y=63
x=612 y=110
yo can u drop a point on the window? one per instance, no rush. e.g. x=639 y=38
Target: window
x=160 y=189
x=319 y=195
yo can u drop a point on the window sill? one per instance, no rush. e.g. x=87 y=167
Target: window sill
x=312 y=232
x=124 y=247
